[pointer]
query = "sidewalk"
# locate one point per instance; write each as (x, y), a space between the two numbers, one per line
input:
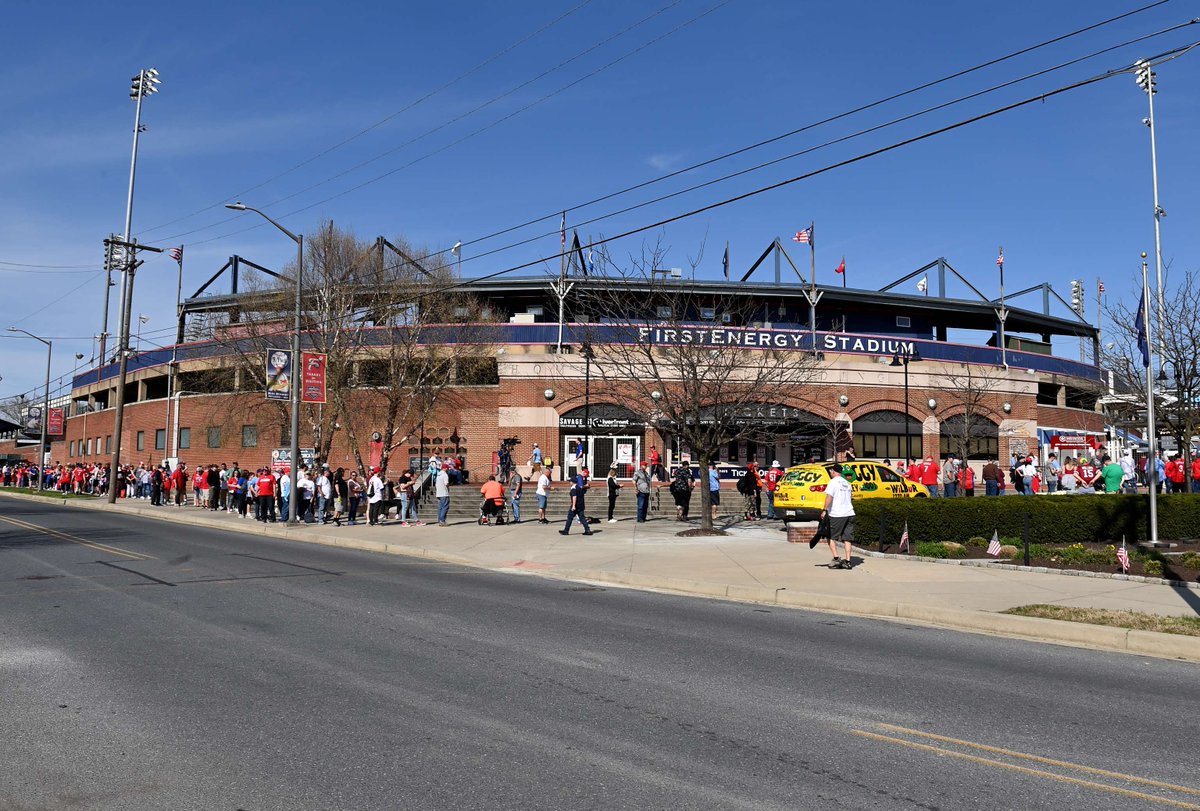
(754, 562)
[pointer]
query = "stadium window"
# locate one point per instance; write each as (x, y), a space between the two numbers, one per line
(89, 446)
(214, 437)
(185, 438)
(108, 444)
(160, 439)
(903, 321)
(249, 436)
(141, 441)
(71, 449)
(708, 313)
(664, 312)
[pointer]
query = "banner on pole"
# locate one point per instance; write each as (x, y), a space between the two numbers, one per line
(31, 420)
(54, 422)
(313, 377)
(281, 459)
(279, 374)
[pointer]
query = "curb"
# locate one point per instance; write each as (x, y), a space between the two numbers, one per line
(1037, 629)
(1006, 567)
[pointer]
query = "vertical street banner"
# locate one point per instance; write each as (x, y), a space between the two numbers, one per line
(54, 422)
(313, 377)
(31, 421)
(279, 375)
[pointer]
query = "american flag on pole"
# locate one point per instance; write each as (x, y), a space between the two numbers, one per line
(1100, 286)
(1123, 556)
(904, 538)
(177, 253)
(1000, 259)
(994, 547)
(562, 229)
(804, 237)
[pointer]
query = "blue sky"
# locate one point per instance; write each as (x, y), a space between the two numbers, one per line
(250, 90)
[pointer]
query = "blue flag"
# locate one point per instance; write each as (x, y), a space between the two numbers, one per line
(1140, 323)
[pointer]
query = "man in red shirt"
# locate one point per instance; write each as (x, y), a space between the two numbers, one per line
(1196, 475)
(179, 484)
(930, 475)
(1177, 476)
(772, 477)
(266, 496)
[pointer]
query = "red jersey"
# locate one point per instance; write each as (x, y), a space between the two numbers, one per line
(266, 484)
(1179, 474)
(1196, 469)
(929, 473)
(773, 476)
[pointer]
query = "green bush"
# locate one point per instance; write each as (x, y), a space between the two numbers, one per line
(978, 542)
(939, 550)
(1052, 519)
(1154, 568)
(1191, 560)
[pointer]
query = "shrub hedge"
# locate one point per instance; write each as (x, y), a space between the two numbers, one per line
(1052, 519)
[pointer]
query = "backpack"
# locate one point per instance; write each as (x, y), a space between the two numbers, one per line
(745, 485)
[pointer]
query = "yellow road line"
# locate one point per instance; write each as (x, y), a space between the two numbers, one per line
(1075, 781)
(111, 550)
(1145, 781)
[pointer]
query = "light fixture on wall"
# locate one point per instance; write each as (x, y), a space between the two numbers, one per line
(1007, 408)
(843, 401)
(549, 394)
(932, 403)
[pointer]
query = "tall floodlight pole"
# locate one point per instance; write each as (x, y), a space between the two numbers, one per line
(1151, 429)
(144, 84)
(1146, 80)
(293, 498)
(45, 404)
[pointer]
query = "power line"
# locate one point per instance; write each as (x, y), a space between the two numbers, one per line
(1039, 98)
(734, 153)
(74, 268)
(497, 55)
(830, 142)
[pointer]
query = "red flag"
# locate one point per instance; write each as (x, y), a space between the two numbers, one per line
(842, 267)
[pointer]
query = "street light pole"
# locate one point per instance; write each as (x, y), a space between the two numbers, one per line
(903, 359)
(588, 356)
(1151, 428)
(45, 405)
(293, 513)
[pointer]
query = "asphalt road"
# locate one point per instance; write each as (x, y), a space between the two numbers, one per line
(145, 665)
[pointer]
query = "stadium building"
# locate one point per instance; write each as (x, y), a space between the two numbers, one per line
(900, 374)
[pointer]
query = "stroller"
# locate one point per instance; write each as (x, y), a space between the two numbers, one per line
(492, 508)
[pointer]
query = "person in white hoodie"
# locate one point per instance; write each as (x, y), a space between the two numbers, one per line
(375, 493)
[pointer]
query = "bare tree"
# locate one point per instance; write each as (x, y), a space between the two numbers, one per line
(397, 332)
(697, 357)
(968, 393)
(1177, 383)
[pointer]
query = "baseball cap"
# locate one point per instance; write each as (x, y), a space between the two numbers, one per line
(374, 470)
(776, 464)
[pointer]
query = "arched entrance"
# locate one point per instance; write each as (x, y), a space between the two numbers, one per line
(887, 434)
(975, 437)
(772, 432)
(615, 435)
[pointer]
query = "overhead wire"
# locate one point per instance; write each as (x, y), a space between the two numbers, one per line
(725, 156)
(544, 261)
(430, 94)
(832, 141)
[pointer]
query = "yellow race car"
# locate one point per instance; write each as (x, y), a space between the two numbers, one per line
(800, 495)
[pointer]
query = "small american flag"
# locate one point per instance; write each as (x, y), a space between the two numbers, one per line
(904, 538)
(1000, 258)
(994, 546)
(177, 253)
(1123, 556)
(804, 236)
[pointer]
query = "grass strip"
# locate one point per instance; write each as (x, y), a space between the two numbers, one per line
(1134, 620)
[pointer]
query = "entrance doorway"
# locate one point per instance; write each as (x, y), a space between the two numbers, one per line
(624, 451)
